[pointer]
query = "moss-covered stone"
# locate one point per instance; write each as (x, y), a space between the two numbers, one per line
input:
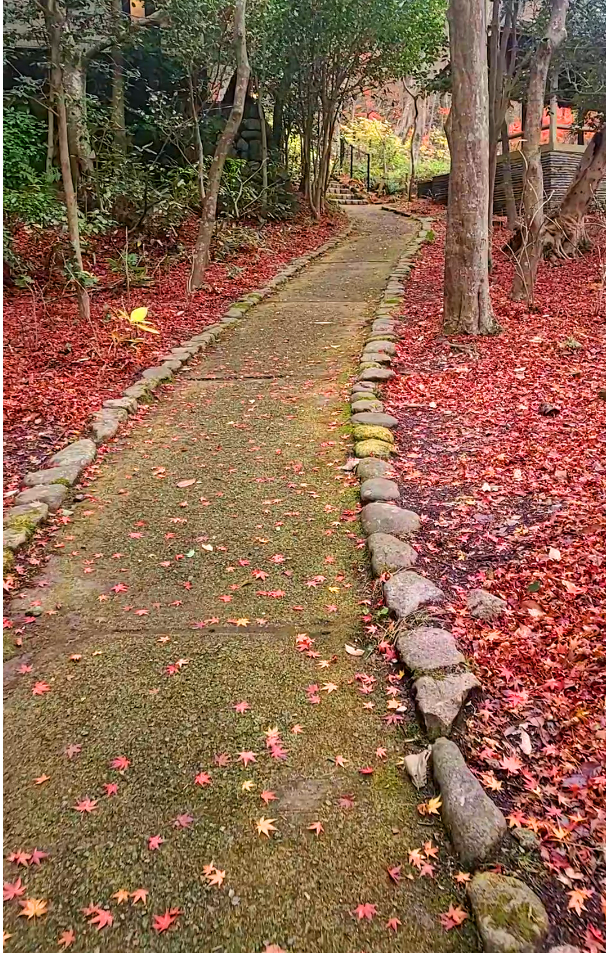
(8, 561)
(510, 917)
(366, 432)
(373, 448)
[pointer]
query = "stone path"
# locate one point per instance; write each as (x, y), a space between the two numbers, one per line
(218, 540)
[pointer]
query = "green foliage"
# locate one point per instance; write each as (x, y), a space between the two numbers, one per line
(240, 194)
(580, 62)
(29, 194)
(131, 267)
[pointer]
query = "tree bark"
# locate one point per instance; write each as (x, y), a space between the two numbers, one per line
(197, 137)
(264, 152)
(527, 259)
(118, 118)
(510, 201)
(414, 151)
(54, 29)
(467, 307)
(209, 210)
(566, 231)
(74, 86)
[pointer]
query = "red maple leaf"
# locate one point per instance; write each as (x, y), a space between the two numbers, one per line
(66, 939)
(120, 763)
(110, 789)
(20, 858)
(86, 806)
(511, 764)
(395, 873)
(202, 779)
(365, 911)
(40, 688)
(165, 920)
(453, 917)
(154, 842)
(12, 890)
(101, 918)
(37, 856)
(184, 821)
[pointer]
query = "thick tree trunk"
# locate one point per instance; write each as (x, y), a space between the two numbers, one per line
(566, 230)
(527, 259)
(209, 210)
(467, 307)
(510, 201)
(74, 84)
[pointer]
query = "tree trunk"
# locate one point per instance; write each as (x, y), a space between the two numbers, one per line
(510, 201)
(527, 259)
(413, 144)
(209, 210)
(565, 231)
(118, 119)
(54, 29)
(50, 128)
(197, 137)
(74, 85)
(467, 307)
(264, 153)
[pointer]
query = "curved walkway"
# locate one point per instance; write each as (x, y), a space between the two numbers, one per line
(195, 624)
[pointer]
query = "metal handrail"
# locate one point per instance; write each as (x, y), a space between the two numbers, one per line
(344, 146)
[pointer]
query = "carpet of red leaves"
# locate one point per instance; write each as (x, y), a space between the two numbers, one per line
(517, 503)
(58, 369)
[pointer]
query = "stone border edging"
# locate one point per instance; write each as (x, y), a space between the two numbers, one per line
(440, 673)
(441, 677)
(46, 489)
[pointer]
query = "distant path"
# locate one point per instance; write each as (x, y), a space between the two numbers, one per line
(257, 424)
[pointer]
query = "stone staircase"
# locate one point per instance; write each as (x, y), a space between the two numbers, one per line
(343, 194)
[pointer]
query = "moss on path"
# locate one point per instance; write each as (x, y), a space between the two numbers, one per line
(181, 602)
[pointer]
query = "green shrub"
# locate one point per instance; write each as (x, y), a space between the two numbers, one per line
(29, 193)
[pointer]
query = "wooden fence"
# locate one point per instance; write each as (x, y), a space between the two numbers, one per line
(559, 168)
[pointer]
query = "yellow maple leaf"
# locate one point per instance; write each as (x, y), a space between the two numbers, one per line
(33, 908)
(265, 825)
(120, 896)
